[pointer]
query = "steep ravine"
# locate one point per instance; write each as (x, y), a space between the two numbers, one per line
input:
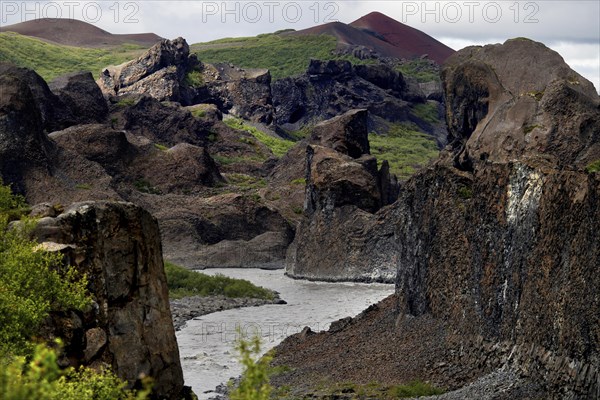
(496, 245)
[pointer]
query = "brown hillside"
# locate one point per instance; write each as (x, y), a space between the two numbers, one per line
(384, 35)
(78, 33)
(409, 41)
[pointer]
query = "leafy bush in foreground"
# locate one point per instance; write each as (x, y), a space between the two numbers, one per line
(42, 379)
(32, 281)
(254, 384)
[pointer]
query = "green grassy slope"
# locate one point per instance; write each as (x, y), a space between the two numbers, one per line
(51, 60)
(283, 55)
(406, 149)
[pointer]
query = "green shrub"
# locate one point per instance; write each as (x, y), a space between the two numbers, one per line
(255, 382)
(42, 379)
(414, 389)
(144, 186)
(593, 167)
(32, 282)
(465, 192)
(299, 181)
(244, 181)
(161, 147)
(184, 283)
(277, 146)
(194, 79)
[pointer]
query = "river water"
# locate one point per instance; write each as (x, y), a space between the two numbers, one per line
(206, 344)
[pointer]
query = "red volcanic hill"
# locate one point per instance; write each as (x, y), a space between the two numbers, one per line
(73, 32)
(384, 35)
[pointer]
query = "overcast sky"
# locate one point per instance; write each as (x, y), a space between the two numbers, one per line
(570, 27)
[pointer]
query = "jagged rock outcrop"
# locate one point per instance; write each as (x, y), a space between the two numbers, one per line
(497, 262)
(228, 230)
(160, 160)
(245, 93)
(532, 100)
(331, 88)
(164, 123)
(82, 96)
(344, 133)
(24, 146)
(343, 188)
(129, 327)
(168, 72)
(159, 72)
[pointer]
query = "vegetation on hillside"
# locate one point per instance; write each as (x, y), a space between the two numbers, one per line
(34, 283)
(184, 283)
(52, 60)
(404, 148)
(277, 145)
(41, 378)
(283, 55)
(420, 69)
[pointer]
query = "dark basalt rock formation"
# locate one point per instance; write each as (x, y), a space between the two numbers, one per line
(525, 94)
(343, 188)
(24, 148)
(331, 88)
(164, 72)
(129, 327)
(245, 93)
(164, 123)
(82, 96)
(344, 134)
(497, 259)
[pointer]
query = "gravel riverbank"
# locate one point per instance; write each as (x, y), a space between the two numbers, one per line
(189, 308)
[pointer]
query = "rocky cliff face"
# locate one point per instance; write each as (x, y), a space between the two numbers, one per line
(519, 100)
(155, 154)
(168, 72)
(343, 191)
(129, 327)
(330, 88)
(496, 245)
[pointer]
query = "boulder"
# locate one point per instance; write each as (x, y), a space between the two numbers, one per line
(245, 93)
(525, 94)
(129, 328)
(97, 143)
(164, 123)
(53, 112)
(24, 147)
(337, 68)
(82, 96)
(225, 230)
(184, 168)
(346, 134)
(159, 72)
(335, 180)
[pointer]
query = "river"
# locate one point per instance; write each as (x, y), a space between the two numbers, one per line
(206, 344)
